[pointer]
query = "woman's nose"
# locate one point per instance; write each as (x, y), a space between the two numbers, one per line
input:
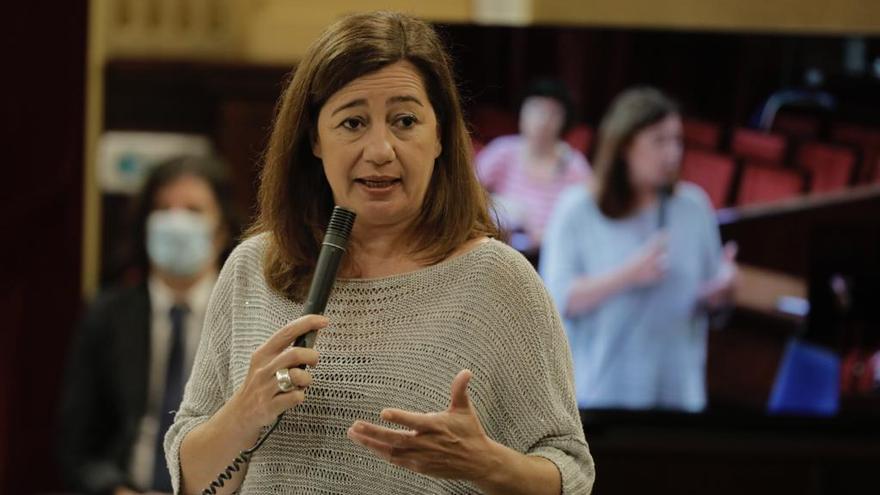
(379, 149)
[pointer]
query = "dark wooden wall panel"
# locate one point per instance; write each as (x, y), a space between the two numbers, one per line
(41, 201)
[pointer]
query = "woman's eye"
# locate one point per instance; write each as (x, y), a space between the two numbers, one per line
(407, 121)
(352, 124)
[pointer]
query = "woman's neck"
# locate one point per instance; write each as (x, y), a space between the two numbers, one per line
(541, 149)
(379, 252)
(645, 198)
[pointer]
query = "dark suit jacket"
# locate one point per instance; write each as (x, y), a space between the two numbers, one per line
(106, 386)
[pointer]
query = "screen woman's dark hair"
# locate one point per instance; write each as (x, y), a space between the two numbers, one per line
(213, 171)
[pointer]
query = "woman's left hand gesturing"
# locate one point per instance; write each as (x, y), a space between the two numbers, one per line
(449, 444)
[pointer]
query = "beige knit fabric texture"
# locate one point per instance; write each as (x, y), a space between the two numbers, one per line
(395, 342)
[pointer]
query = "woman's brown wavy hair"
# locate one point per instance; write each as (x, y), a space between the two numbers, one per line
(295, 199)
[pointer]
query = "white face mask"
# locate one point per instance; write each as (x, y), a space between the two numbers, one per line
(179, 241)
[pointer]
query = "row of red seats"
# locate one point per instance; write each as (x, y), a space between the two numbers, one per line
(760, 166)
(758, 183)
(814, 166)
(772, 147)
(769, 148)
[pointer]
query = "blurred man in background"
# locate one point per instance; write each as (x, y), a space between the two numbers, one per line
(135, 346)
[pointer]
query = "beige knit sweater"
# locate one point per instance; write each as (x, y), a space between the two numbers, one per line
(395, 342)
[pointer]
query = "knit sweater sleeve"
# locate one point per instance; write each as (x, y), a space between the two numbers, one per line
(209, 385)
(534, 377)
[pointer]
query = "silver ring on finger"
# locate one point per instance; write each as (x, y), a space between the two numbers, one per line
(285, 384)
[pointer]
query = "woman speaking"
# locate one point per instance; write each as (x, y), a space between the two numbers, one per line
(441, 365)
(634, 262)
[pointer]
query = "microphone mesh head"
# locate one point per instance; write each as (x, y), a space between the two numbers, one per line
(341, 222)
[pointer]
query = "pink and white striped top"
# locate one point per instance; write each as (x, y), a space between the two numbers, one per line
(525, 199)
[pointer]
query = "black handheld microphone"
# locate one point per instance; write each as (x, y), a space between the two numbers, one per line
(332, 248)
(663, 193)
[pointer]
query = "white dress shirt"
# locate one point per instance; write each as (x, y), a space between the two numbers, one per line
(161, 301)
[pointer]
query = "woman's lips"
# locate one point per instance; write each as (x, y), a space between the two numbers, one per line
(378, 185)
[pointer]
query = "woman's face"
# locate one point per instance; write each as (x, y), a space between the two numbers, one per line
(541, 119)
(655, 153)
(378, 139)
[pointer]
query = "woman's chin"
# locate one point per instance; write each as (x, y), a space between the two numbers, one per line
(383, 214)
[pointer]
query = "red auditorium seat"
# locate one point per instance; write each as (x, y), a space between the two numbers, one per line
(764, 184)
(491, 122)
(701, 134)
(711, 171)
(796, 125)
(580, 137)
(830, 167)
(759, 146)
(866, 139)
